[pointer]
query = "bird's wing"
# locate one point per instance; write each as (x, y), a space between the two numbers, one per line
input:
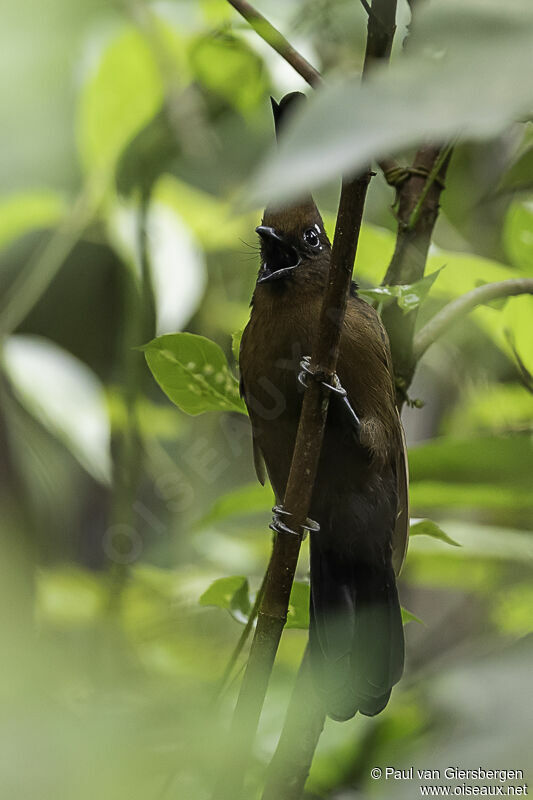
(259, 461)
(400, 536)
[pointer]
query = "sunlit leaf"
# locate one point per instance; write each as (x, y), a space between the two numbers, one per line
(426, 527)
(193, 373)
(426, 495)
(65, 396)
(492, 407)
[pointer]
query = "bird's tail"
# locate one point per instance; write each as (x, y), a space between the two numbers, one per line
(356, 632)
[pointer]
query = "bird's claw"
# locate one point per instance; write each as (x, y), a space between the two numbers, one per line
(335, 385)
(278, 526)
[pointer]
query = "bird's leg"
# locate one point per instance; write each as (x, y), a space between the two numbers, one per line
(278, 526)
(335, 386)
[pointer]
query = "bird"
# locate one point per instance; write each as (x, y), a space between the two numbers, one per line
(360, 494)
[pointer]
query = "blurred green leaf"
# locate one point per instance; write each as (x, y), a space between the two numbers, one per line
(518, 233)
(432, 494)
(465, 72)
(426, 527)
(492, 407)
(511, 609)
(520, 174)
(298, 611)
(119, 97)
(500, 460)
(65, 396)
(227, 66)
(193, 373)
(21, 213)
(250, 499)
(231, 593)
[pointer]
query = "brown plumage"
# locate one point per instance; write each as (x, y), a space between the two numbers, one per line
(360, 493)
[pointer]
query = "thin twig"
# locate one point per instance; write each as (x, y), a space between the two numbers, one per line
(432, 177)
(277, 41)
(458, 308)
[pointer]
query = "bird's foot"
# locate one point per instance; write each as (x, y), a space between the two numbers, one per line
(333, 384)
(278, 525)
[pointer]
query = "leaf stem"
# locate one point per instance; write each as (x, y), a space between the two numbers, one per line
(458, 308)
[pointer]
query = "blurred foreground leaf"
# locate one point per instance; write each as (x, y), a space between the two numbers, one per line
(193, 373)
(466, 71)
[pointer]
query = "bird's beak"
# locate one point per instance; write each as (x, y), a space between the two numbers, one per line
(279, 256)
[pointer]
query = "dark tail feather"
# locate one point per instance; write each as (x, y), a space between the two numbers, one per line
(356, 632)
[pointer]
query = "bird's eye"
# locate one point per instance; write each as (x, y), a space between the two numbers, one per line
(311, 237)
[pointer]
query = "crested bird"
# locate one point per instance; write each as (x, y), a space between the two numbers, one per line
(360, 494)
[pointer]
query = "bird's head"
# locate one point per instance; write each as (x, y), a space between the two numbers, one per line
(291, 239)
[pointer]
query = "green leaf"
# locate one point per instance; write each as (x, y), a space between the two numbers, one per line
(408, 616)
(466, 71)
(426, 527)
(231, 593)
(119, 97)
(298, 612)
(518, 234)
(21, 213)
(193, 373)
(491, 408)
(408, 296)
(250, 499)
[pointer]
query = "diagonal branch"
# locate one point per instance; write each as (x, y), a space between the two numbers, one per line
(277, 41)
(458, 308)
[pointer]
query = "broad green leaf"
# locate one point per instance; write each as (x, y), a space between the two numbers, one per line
(21, 213)
(518, 234)
(65, 396)
(120, 95)
(408, 616)
(466, 71)
(426, 527)
(193, 373)
(250, 499)
(408, 296)
(298, 611)
(229, 593)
